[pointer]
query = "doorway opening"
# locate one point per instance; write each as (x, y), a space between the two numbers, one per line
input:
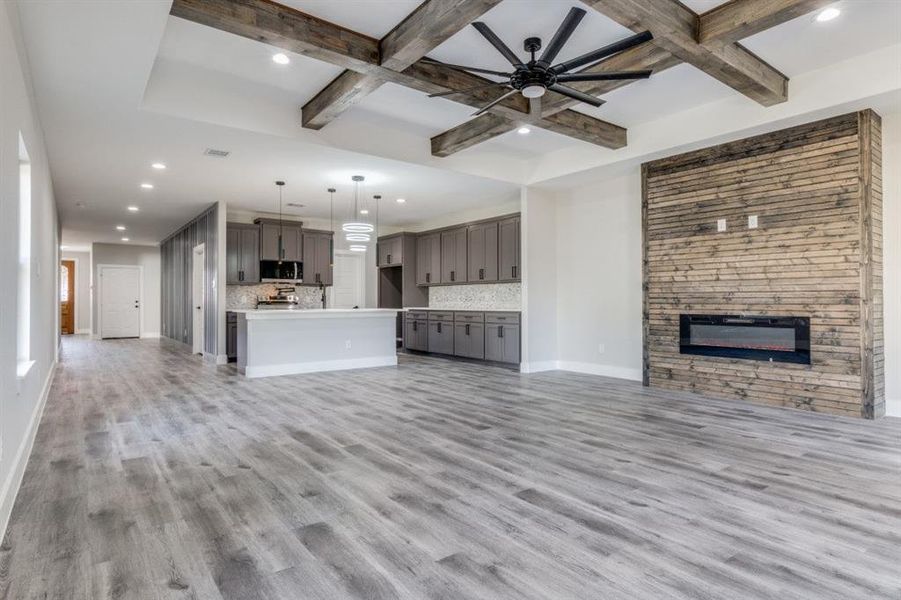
(120, 301)
(67, 297)
(198, 298)
(348, 285)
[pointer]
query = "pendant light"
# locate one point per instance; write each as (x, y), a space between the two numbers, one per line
(331, 220)
(375, 201)
(356, 227)
(281, 247)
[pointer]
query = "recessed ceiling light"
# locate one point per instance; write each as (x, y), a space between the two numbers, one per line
(401, 200)
(133, 209)
(827, 14)
(364, 211)
(147, 186)
(158, 166)
(523, 130)
(124, 239)
(280, 59)
(120, 227)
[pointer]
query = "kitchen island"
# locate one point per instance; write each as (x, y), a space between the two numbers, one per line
(289, 341)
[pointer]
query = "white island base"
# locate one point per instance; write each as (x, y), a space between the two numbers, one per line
(286, 342)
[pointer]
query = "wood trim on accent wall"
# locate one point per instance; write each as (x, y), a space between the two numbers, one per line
(817, 252)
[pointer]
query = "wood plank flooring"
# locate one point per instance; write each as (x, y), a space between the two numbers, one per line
(154, 476)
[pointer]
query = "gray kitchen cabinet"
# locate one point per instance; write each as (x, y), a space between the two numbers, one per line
(292, 245)
(428, 259)
(469, 339)
(317, 261)
(453, 256)
(391, 251)
(441, 333)
(242, 253)
(481, 253)
(509, 249)
(502, 335)
(231, 335)
(416, 333)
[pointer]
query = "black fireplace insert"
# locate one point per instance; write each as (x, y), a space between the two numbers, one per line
(773, 339)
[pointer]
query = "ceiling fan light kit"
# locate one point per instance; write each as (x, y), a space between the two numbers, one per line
(534, 78)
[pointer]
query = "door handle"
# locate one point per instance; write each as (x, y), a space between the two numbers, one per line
(198, 307)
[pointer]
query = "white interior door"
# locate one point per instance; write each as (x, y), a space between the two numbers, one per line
(198, 305)
(347, 284)
(120, 302)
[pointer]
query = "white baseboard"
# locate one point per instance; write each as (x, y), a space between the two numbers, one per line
(602, 370)
(10, 487)
(150, 334)
(82, 332)
(538, 366)
(893, 407)
(314, 367)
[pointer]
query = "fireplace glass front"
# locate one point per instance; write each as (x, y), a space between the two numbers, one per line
(773, 339)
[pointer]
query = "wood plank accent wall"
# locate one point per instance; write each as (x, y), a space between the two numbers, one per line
(817, 252)
(177, 264)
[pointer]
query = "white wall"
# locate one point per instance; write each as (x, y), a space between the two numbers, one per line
(82, 289)
(539, 281)
(599, 267)
(147, 257)
(22, 399)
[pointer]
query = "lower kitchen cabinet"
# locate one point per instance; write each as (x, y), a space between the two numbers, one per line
(502, 343)
(492, 336)
(469, 340)
(416, 333)
(441, 335)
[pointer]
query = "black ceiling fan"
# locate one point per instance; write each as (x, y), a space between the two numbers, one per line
(532, 79)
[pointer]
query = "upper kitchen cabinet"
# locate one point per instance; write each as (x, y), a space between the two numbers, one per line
(242, 253)
(391, 251)
(428, 259)
(453, 256)
(292, 240)
(509, 249)
(317, 257)
(482, 252)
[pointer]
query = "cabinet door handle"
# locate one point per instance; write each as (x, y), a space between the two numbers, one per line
(414, 326)
(240, 275)
(452, 275)
(467, 329)
(439, 326)
(481, 273)
(428, 278)
(500, 331)
(389, 259)
(514, 270)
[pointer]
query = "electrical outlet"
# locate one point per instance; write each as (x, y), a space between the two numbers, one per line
(601, 349)
(347, 344)
(752, 221)
(721, 225)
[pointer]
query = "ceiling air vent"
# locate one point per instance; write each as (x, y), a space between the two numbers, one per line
(295, 205)
(216, 153)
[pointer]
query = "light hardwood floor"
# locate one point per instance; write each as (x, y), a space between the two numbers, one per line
(154, 476)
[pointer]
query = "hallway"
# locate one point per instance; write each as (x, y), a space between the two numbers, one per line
(154, 476)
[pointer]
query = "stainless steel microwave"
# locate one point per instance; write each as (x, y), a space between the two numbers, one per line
(286, 271)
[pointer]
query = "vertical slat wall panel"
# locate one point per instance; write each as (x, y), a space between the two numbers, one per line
(177, 274)
(816, 190)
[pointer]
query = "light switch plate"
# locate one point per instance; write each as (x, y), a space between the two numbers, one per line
(721, 225)
(752, 221)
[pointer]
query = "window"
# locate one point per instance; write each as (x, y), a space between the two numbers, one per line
(63, 283)
(23, 318)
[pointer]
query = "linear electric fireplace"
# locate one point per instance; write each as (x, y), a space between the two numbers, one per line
(774, 339)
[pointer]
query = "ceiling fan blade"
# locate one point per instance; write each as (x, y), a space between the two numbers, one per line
(535, 108)
(566, 29)
(604, 76)
(472, 89)
(493, 102)
(462, 68)
(497, 43)
(576, 95)
(609, 50)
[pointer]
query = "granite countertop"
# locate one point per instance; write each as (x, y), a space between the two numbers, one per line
(462, 309)
(314, 313)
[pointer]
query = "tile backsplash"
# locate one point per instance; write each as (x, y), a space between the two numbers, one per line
(488, 296)
(245, 296)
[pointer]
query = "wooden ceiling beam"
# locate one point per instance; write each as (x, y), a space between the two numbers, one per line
(675, 29)
(739, 19)
(433, 22)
